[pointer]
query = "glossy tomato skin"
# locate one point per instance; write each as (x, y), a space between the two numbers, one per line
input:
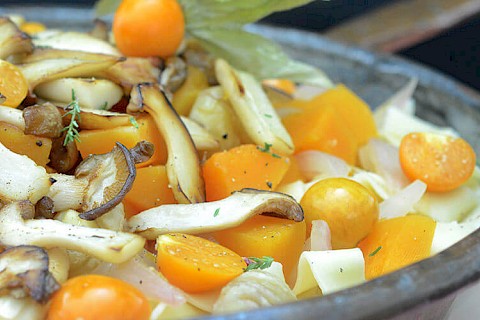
(145, 28)
(94, 297)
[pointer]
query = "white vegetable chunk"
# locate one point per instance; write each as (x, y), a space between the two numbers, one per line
(15, 184)
(21, 309)
(12, 116)
(110, 246)
(331, 270)
(403, 202)
(448, 233)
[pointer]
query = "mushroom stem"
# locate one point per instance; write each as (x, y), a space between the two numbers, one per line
(183, 166)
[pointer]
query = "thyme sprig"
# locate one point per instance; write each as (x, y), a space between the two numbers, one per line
(72, 128)
(258, 263)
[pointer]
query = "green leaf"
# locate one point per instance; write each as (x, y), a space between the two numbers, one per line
(259, 263)
(214, 13)
(257, 55)
(104, 7)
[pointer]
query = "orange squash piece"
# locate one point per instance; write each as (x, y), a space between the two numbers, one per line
(261, 236)
(103, 140)
(336, 121)
(245, 166)
(195, 264)
(396, 243)
(149, 190)
(36, 148)
(293, 173)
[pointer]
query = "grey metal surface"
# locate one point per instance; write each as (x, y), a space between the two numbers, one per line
(420, 291)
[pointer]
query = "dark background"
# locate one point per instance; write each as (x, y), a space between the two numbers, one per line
(455, 52)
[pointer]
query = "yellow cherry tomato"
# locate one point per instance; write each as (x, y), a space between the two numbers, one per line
(349, 208)
(13, 85)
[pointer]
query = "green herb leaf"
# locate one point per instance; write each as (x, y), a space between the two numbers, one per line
(217, 211)
(257, 55)
(268, 150)
(134, 122)
(72, 128)
(375, 251)
(258, 263)
(104, 7)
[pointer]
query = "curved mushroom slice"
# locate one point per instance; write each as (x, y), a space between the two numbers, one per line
(100, 30)
(183, 167)
(174, 74)
(106, 245)
(131, 72)
(202, 139)
(213, 216)
(12, 40)
(66, 192)
(45, 65)
(63, 158)
(110, 176)
(75, 41)
(91, 93)
(15, 184)
(252, 106)
(24, 272)
(99, 119)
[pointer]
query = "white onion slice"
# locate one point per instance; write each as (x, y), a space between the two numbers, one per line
(382, 158)
(320, 237)
(402, 203)
(316, 163)
(146, 278)
(307, 92)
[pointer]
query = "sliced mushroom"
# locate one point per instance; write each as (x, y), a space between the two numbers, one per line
(24, 272)
(202, 139)
(196, 56)
(131, 72)
(91, 93)
(106, 245)
(66, 192)
(110, 176)
(44, 208)
(21, 178)
(45, 65)
(99, 119)
(216, 215)
(174, 74)
(78, 41)
(12, 116)
(183, 167)
(12, 40)
(43, 120)
(63, 158)
(253, 108)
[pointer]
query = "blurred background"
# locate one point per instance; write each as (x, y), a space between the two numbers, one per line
(443, 34)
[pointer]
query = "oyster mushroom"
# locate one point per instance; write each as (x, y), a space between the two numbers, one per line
(63, 158)
(12, 40)
(98, 119)
(183, 167)
(216, 215)
(202, 139)
(15, 184)
(100, 30)
(106, 245)
(45, 65)
(253, 108)
(174, 74)
(24, 272)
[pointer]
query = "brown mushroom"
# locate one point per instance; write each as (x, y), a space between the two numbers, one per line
(63, 158)
(12, 40)
(174, 74)
(43, 120)
(183, 166)
(24, 272)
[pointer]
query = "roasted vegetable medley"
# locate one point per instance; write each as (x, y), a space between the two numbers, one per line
(153, 173)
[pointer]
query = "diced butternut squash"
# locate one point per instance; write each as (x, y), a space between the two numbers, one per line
(260, 236)
(102, 141)
(149, 190)
(396, 243)
(185, 96)
(336, 121)
(322, 129)
(36, 148)
(245, 166)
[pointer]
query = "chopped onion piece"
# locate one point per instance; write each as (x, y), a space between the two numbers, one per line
(320, 237)
(316, 163)
(143, 277)
(307, 92)
(448, 233)
(401, 100)
(403, 202)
